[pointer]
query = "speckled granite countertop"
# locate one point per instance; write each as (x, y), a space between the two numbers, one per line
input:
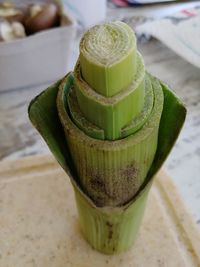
(18, 138)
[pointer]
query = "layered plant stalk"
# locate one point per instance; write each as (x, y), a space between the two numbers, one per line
(110, 114)
(119, 123)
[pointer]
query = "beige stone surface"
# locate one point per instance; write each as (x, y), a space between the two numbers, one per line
(39, 223)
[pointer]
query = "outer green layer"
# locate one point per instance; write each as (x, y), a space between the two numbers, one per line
(111, 113)
(108, 51)
(44, 116)
(111, 172)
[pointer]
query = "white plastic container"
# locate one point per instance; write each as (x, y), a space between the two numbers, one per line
(39, 58)
(87, 12)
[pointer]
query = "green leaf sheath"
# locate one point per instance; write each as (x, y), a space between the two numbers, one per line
(126, 219)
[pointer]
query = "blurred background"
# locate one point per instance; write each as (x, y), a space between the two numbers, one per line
(35, 52)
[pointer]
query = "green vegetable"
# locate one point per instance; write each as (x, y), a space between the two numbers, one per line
(110, 125)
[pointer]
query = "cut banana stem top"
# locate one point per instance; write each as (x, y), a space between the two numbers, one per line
(107, 51)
